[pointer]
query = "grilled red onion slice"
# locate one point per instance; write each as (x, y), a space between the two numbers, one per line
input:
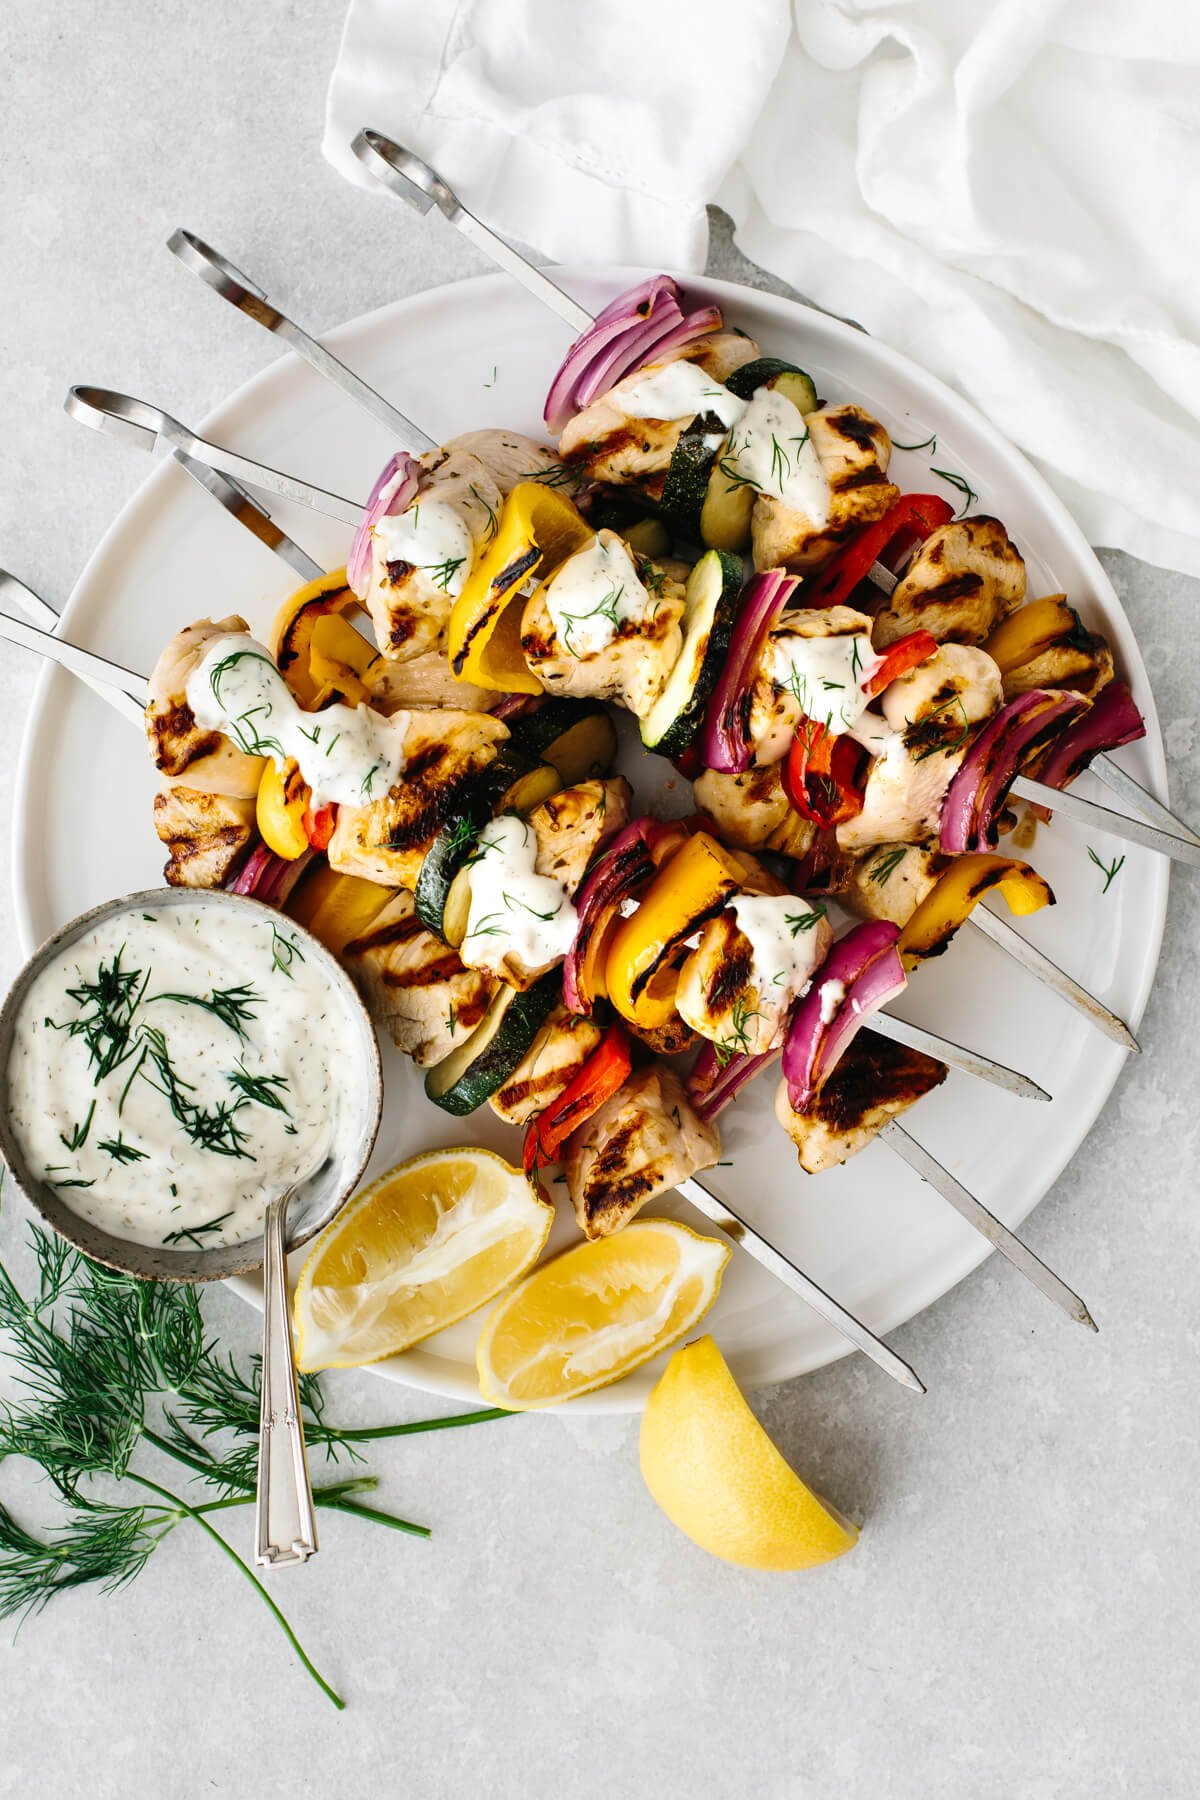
(394, 492)
(981, 783)
(267, 877)
(622, 868)
(1112, 720)
(647, 321)
(726, 738)
(861, 973)
(711, 1086)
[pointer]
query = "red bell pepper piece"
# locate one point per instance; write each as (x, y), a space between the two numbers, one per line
(910, 521)
(318, 825)
(899, 658)
(822, 775)
(602, 1074)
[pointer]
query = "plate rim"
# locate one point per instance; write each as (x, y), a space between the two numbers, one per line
(418, 1370)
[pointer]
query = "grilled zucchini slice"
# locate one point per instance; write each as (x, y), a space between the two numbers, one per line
(484, 1061)
(769, 371)
(576, 737)
(710, 608)
(510, 783)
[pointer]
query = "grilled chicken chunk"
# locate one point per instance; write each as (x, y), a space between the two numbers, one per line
(414, 986)
(905, 792)
(571, 825)
(891, 882)
(740, 1007)
(551, 1063)
(605, 444)
(409, 605)
(387, 841)
(182, 750)
(636, 1146)
(510, 458)
(207, 835)
(775, 712)
(854, 450)
(935, 702)
(752, 811)
(874, 1081)
(632, 668)
(963, 580)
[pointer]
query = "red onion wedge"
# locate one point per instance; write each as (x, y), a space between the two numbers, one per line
(624, 867)
(267, 877)
(981, 783)
(646, 322)
(394, 492)
(861, 973)
(726, 736)
(712, 1085)
(1112, 720)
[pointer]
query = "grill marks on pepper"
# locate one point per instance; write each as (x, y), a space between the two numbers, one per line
(499, 596)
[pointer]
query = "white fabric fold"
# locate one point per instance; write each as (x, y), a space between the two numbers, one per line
(1004, 189)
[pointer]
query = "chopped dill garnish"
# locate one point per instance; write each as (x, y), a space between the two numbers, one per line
(195, 1234)
(443, 573)
(514, 903)
(120, 1151)
(262, 1090)
(79, 1133)
(605, 607)
(493, 522)
(368, 780)
(451, 1020)
(737, 1042)
(929, 443)
(960, 483)
(799, 922)
(1109, 871)
(284, 952)
(106, 1024)
(233, 1006)
(882, 868)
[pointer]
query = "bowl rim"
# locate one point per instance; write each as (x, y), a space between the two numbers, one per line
(145, 1261)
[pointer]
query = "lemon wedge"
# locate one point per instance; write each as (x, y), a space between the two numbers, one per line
(716, 1474)
(591, 1315)
(421, 1247)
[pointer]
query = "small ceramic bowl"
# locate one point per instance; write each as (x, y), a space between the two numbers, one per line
(316, 1200)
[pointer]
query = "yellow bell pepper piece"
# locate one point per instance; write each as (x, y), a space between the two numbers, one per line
(342, 661)
(282, 799)
(336, 908)
(641, 972)
(956, 894)
(538, 530)
(292, 633)
(1031, 631)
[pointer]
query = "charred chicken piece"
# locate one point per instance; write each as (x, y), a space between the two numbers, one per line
(753, 812)
(183, 750)
(551, 1063)
(963, 580)
(415, 987)
(874, 1082)
(854, 450)
(208, 835)
(635, 1147)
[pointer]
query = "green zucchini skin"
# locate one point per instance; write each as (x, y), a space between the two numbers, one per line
(769, 371)
(713, 595)
(456, 840)
(462, 1081)
(686, 481)
(575, 736)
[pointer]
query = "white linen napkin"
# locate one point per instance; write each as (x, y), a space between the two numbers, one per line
(1008, 190)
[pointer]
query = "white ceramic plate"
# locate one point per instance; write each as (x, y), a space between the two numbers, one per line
(482, 352)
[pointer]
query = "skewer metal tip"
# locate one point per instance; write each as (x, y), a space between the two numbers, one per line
(211, 266)
(408, 177)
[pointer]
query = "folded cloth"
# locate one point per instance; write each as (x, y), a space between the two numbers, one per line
(1005, 189)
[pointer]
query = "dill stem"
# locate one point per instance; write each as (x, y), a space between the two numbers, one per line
(178, 1501)
(332, 1504)
(364, 1433)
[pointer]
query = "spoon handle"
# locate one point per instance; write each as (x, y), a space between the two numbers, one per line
(287, 1526)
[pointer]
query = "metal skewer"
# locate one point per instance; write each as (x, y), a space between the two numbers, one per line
(721, 1214)
(915, 1037)
(1102, 818)
(124, 690)
(976, 1214)
(1045, 970)
(228, 281)
(148, 427)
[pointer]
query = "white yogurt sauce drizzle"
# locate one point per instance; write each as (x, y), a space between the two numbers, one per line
(823, 675)
(515, 915)
(594, 593)
(348, 754)
(173, 1070)
(679, 390)
(431, 536)
(770, 450)
(786, 942)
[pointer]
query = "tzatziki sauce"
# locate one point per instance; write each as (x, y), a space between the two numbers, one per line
(770, 450)
(678, 390)
(174, 1069)
(431, 536)
(348, 754)
(594, 593)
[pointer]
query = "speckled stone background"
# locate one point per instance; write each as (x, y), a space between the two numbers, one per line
(1020, 1619)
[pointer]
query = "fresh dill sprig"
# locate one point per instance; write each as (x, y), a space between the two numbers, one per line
(1109, 871)
(443, 573)
(514, 903)
(929, 443)
(196, 1234)
(259, 1090)
(108, 1368)
(800, 922)
(105, 1024)
(605, 608)
(79, 1133)
(960, 483)
(284, 952)
(234, 1006)
(737, 1040)
(882, 868)
(489, 509)
(120, 1151)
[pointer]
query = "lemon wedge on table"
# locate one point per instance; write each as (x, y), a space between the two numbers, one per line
(716, 1474)
(422, 1247)
(589, 1316)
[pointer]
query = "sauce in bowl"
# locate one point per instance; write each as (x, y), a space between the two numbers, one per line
(173, 1067)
